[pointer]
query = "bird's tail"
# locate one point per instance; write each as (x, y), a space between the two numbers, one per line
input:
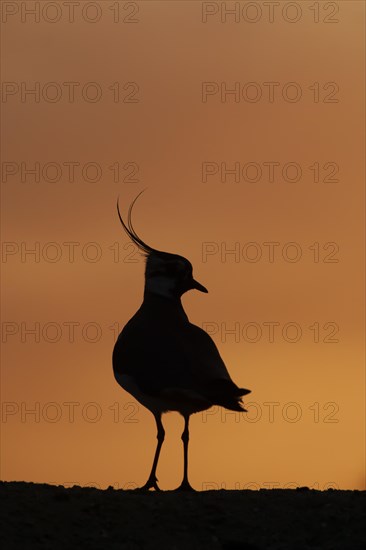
(232, 404)
(230, 396)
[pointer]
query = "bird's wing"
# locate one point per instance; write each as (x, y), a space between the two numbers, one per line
(202, 353)
(207, 365)
(165, 356)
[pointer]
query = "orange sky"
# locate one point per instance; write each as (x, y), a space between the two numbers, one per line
(174, 131)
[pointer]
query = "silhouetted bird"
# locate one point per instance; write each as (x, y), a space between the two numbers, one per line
(163, 360)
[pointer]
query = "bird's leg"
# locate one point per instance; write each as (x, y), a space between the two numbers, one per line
(185, 485)
(152, 481)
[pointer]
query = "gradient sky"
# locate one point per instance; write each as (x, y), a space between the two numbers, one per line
(289, 326)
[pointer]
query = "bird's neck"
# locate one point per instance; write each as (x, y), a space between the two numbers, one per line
(155, 300)
(161, 286)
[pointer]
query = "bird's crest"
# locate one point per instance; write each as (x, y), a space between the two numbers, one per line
(142, 246)
(154, 255)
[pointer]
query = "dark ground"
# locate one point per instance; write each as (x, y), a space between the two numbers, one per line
(49, 517)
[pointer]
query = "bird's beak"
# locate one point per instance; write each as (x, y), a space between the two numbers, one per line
(198, 286)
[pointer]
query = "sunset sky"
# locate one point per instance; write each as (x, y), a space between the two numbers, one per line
(244, 122)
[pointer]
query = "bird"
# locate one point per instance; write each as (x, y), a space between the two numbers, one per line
(165, 362)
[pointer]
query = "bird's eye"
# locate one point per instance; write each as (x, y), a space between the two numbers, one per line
(176, 269)
(173, 268)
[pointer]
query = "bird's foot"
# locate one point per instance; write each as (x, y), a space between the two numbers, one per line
(150, 484)
(185, 486)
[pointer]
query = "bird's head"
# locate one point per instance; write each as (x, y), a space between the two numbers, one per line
(166, 274)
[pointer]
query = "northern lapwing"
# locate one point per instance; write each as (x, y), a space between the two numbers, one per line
(163, 360)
